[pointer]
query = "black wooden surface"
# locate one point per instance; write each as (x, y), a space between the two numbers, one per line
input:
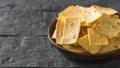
(23, 33)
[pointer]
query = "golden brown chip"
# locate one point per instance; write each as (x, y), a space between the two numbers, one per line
(92, 29)
(93, 49)
(108, 26)
(95, 38)
(67, 11)
(71, 30)
(114, 45)
(90, 15)
(72, 12)
(59, 30)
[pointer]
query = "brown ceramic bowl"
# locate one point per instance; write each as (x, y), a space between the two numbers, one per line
(78, 56)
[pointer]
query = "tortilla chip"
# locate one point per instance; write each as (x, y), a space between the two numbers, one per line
(59, 30)
(90, 15)
(114, 45)
(108, 26)
(71, 31)
(93, 49)
(66, 11)
(102, 10)
(95, 38)
(72, 12)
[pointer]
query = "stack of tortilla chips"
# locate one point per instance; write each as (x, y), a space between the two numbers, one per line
(93, 29)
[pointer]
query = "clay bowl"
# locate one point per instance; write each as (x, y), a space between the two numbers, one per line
(81, 57)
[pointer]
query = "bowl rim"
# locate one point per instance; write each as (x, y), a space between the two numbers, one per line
(58, 46)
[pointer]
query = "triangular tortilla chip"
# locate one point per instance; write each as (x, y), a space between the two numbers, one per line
(54, 35)
(55, 31)
(93, 49)
(108, 26)
(102, 10)
(95, 38)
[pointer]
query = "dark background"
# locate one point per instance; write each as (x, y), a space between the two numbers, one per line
(23, 33)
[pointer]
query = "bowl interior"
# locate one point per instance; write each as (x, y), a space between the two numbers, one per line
(50, 33)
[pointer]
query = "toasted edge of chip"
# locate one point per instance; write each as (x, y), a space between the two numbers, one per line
(76, 49)
(116, 16)
(55, 31)
(76, 44)
(66, 10)
(54, 34)
(106, 10)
